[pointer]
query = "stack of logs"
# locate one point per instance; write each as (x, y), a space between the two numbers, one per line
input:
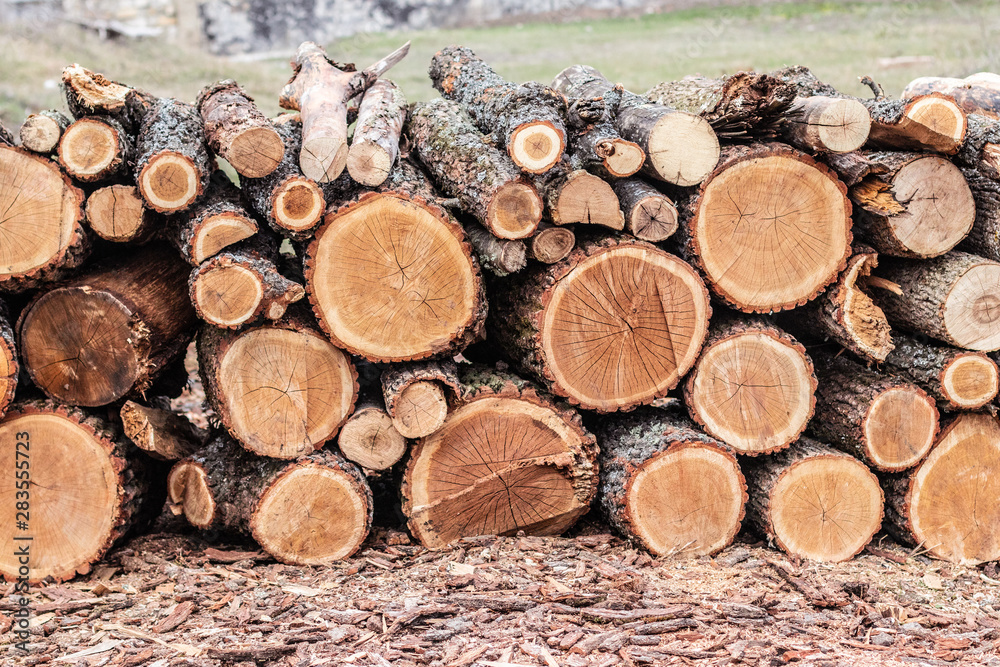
(752, 297)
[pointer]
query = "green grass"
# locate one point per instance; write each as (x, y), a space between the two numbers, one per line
(839, 41)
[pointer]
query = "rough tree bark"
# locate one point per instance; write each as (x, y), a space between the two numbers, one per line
(237, 130)
(10, 366)
(594, 143)
(172, 164)
(501, 257)
(416, 395)
(375, 144)
(649, 214)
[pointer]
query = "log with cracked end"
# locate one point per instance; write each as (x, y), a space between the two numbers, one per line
(539, 475)
(89, 93)
(117, 213)
(551, 243)
(814, 502)
(108, 332)
(217, 221)
(823, 124)
(311, 511)
(375, 144)
(932, 122)
(95, 148)
(650, 215)
(165, 434)
(172, 166)
(680, 147)
(463, 165)
(40, 132)
(977, 93)
(237, 130)
(416, 395)
(320, 91)
(950, 505)
(369, 437)
(675, 490)
(577, 196)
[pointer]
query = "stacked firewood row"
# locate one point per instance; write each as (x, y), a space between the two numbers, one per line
(752, 299)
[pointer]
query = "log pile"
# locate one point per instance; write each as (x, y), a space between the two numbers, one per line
(742, 298)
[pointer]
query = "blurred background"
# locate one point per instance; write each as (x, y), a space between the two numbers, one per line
(174, 47)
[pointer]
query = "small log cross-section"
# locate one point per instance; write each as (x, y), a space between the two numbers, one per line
(369, 437)
(118, 213)
(595, 143)
(320, 90)
(172, 163)
(505, 460)
(577, 196)
(814, 502)
(822, 124)
(950, 505)
(216, 221)
(311, 511)
(94, 149)
(884, 420)
(931, 122)
(954, 298)
(753, 386)
(976, 94)
(109, 332)
(958, 379)
(88, 488)
(770, 228)
(166, 435)
(391, 278)
(42, 235)
(527, 119)
(40, 132)
(375, 145)
(649, 214)
(463, 165)
(237, 130)
(415, 395)
(281, 389)
(669, 486)
(550, 244)
(614, 325)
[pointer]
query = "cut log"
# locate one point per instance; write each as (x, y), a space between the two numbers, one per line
(649, 214)
(984, 237)
(40, 132)
(614, 325)
(290, 202)
(908, 204)
(977, 93)
(172, 165)
(954, 298)
(753, 386)
(166, 435)
(950, 506)
(375, 145)
(814, 502)
(91, 94)
(981, 149)
(240, 285)
(884, 420)
(595, 144)
(501, 257)
(117, 213)
(237, 130)
(505, 460)
(957, 379)
(768, 205)
(391, 278)
(577, 196)
(94, 149)
(681, 148)
(43, 238)
(821, 124)
(463, 165)
(369, 437)
(281, 389)
(10, 366)
(931, 122)
(108, 333)
(526, 119)
(668, 486)
(82, 485)
(320, 90)
(416, 395)
(217, 221)
(312, 511)
(549, 245)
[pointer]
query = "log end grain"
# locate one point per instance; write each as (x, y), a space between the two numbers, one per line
(828, 124)
(117, 213)
(41, 132)
(297, 204)
(552, 244)
(970, 381)
(515, 211)
(682, 148)
(323, 158)
(536, 147)
(370, 439)
(170, 181)
(971, 312)
(90, 149)
(420, 409)
(931, 122)
(368, 163)
(220, 231)
(899, 428)
(621, 158)
(256, 151)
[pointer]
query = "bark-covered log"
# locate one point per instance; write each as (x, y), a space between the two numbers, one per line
(375, 144)
(977, 93)
(984, 237)
(290, 202)
(10, 365)
(884, 420)
(506, 460)
(216, 221)
(614, 325)
(95, 148)
(770, 228)
(813, 501)
(40, 132)
(501, 257)
(577, 196)
(753, 386)
(109, 332)
(281, 389)
(42, 214)
(83, 485)
(526, 119)
(237, 130)
(117, 213)
(550, 244)
(6, 138)
(320, 90)
(369, 437)
(595, 144)
(172, 165)
(681, 148)
(649, 214)
(954, 298)
(311, 511)
(668, 486)
(981, 148)
(932, 122)
(91, 94)
(165, 434)
(416, 395)
(463, 165)
(822, 124)
(957, 379)
(950, 505)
